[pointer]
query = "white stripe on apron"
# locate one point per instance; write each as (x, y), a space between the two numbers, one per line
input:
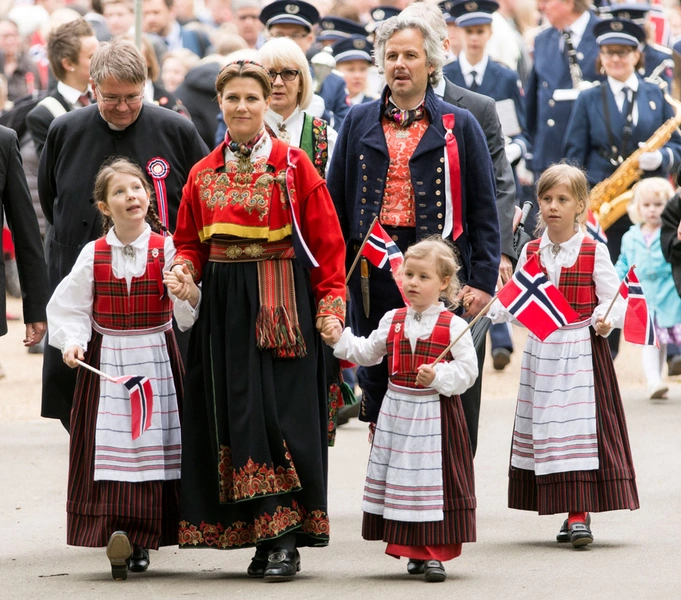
(156, 454)
(404, 476)
(555, 424)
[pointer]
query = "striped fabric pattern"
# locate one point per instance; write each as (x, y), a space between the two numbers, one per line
(613, 485)
(555, 423)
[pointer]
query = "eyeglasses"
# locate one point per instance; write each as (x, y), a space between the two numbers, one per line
(618, 53)
(286, 74)
(130, 100)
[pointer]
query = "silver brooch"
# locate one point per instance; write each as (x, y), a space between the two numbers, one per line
(555, 249)
(417, 316)
(129, 252)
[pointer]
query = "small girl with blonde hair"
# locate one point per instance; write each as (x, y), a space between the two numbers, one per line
(570, 451)
(419, 494)
(641, 247)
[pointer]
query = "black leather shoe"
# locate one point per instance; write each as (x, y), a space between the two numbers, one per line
(258, 564)
(139, 561)
(282, 565)
(118, 551)
(564, 534)
(416, 567)
(580, 535)
(434, 571)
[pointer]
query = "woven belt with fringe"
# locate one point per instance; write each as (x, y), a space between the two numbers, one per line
(276, 327)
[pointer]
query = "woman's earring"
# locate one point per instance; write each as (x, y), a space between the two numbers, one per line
(602, 71)
(72, 69)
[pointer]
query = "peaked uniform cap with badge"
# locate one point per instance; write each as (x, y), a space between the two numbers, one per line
(444, 7)
(335, 29)
(631, 12)
(380, 14)
(468, 13)
(289, 12)
(356, 47)
(619, 31)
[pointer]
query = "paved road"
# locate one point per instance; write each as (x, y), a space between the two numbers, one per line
(635, 555)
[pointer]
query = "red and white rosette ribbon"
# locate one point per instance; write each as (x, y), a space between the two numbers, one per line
(158, 169)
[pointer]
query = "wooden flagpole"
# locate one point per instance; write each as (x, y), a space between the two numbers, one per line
(617, 295)
(473, 322)
(97, 371)
(359, 252)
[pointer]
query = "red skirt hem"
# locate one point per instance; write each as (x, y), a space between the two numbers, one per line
(441, 552)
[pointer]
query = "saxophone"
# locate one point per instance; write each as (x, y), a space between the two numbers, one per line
(608, 199)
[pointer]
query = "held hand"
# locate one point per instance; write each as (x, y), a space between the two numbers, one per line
(71, 354)
(474, 300)
(425, 376)
(331, 331)
(603, 327)
(34, 333)
(181, 284)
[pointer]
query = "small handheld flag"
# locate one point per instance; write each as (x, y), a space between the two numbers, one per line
(532, 299)
(638, 324)
(141, 398)
(594, 229)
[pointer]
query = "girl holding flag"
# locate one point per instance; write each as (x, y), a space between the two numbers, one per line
(570, 451)
(641, 247)
(419, 494)
(112, 312)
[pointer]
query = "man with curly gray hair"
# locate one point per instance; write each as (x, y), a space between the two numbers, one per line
(418, 166)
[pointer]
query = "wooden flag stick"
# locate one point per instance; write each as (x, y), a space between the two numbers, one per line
(91, 368)
(473, 322)
(617, 295)
(359, 252)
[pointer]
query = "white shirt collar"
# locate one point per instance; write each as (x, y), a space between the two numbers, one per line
(357, 99)
(274, 120)
(439, 89)
(433, 310)
(71, 95)
(139, 244)
(467, 67)
(263, 149)
(174, 37)
(616, 86)
(578, 28)
(413, 107)
(568, 250)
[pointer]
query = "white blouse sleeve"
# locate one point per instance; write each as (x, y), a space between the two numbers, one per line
(70, 309)
(497, 312)
(607, 287)
(365, 351)
(184, 313)
(456, 376)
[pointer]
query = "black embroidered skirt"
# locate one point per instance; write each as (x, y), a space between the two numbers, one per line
(610, 487)
(254, 439)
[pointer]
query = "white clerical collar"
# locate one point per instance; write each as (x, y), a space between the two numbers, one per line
(467, 68)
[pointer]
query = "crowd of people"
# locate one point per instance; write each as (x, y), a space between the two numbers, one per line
(198, 208)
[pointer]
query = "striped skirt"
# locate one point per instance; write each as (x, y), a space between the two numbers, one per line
(610, 487)
(458, 525)
(148, 511)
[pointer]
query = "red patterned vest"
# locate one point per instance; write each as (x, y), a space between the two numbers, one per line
(402, 364)
(577, 282)
(146, 306)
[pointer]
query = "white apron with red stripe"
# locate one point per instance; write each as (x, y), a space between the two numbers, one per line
(404, 477)
(555, 424)
(156, 454)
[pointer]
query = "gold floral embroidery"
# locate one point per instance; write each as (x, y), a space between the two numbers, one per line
(332, 305)
(254, 250)
(265, 526)
(254, 479)
(219, 190)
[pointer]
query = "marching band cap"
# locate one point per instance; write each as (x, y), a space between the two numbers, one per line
(467, 13)
(289, 12)
(356, 47)
(338, 28)
(444, 7)
(382, 13)
(619, 31)
(633, 12)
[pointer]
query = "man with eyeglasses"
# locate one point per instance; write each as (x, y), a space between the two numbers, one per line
(165, 144)
(294, 19)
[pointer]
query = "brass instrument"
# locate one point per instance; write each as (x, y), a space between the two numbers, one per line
(608, 199)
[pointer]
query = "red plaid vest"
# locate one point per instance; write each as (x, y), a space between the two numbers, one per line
(146, 306)
(577, 282)
(402, 364)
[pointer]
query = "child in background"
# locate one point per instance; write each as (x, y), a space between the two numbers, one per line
(641, 247)
(112, 312)
(570, 451)
(419, 494)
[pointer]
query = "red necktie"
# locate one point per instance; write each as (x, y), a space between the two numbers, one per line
(454, 174)
(84, 99)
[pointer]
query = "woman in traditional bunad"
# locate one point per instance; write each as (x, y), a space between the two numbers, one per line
(570, 451)
(419, 494)
(257, 227)
(292, 92)
(112, 312)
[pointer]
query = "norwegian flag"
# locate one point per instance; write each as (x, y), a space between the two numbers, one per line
(594, 229)
(141, 401)
(382, 252)
(532, 299)
(638, 324)
(660, 23)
